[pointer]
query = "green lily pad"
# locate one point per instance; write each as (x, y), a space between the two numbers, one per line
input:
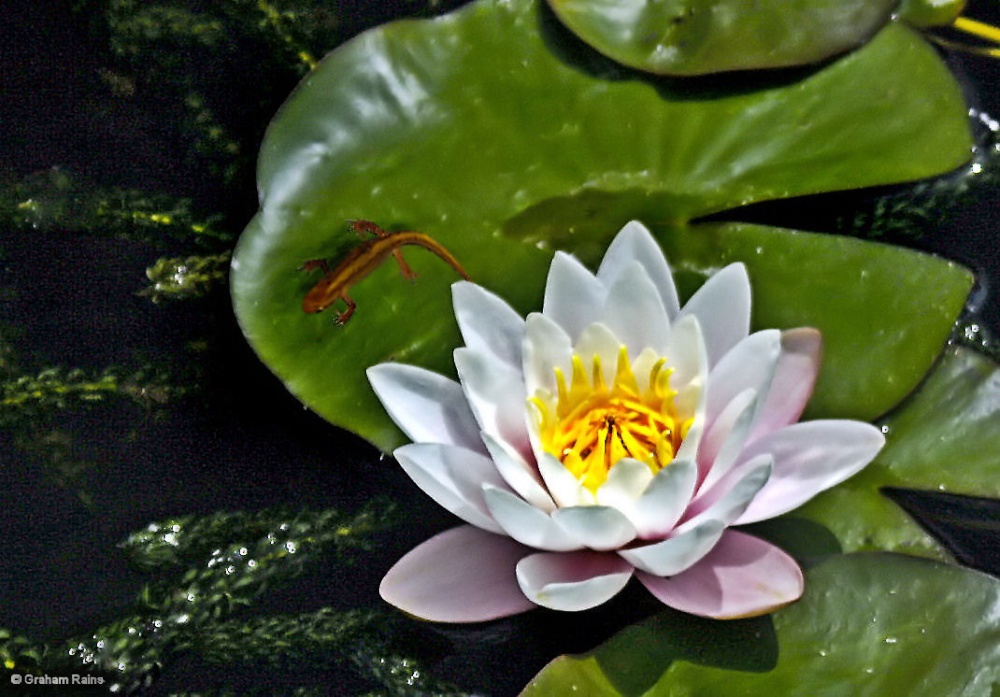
(884, 312)
(696, 37)
(929, 13)
(876, 624)
(945, 438)
(481, 129)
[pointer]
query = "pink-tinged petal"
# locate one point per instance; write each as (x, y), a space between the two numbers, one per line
(600, 528)
(678, 552)
(730, 497)
(495, 393)
(809, 457)
(626, 482)
(750, 365)
(725, 438)
(488, 324)
(635, 243)
(793, 382)
(527, 524)
(743, 576)
(634, 311)
(462, 575)
(663, 502)
(546, 347)
(454, 478)
(566, 489)
(722, 306)
(427, 407)
(572, 581)
(521, 476)
(572, 294)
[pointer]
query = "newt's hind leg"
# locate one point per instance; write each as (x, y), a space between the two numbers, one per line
(404, 268)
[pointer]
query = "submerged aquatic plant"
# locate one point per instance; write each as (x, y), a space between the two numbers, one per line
(57, 199)
(27, 396)
(613, 434)
(182, 278)
(210, 573)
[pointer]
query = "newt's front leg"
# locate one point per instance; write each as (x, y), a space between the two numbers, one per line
(341, 319)
(368, 226)
(313, 264)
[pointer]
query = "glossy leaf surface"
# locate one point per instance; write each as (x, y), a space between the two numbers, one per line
(883, 321)
(929, 13)
(484, 129)
(696, 37)
(867, 625)
(946, 438)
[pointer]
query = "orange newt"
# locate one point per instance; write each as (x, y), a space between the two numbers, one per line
(364, 259)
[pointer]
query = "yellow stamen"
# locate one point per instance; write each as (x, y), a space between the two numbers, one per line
(590, 425)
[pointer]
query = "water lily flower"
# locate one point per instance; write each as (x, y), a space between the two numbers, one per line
(614, 434)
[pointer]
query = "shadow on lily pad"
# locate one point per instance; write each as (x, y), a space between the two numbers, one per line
(743, 645)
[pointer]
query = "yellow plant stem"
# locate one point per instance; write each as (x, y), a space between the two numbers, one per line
(980, 30)
(977, 29)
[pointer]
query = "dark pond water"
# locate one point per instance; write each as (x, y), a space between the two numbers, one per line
(196, 424)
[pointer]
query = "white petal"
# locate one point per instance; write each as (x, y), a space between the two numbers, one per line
(635, 243)
(626, 482)
(692, 442)
(598, 340)
(495, 392)
(728, 499)
(566, 490)
(525, 523)
(634, 311)
(600, 528)
(793, 382)
(687, 356)
(488, 324)
(643, 364)
(428, 407)
(678, 552)
(453, 477)
(726, 437)
(663, 503)
(722, 306)
(748, 365)
(573, 295)
(521, 476)
(546, 347)
(809, 457)
(572, 581)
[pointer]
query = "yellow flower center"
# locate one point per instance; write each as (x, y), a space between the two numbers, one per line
(590, 426)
